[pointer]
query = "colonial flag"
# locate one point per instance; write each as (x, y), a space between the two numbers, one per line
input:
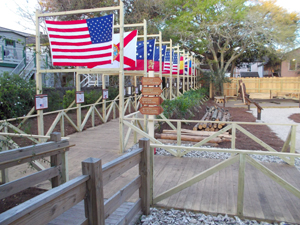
(181, 65)
(140, 56)
(175, 63)
(156, 57)
(130, 39)
(81, 42)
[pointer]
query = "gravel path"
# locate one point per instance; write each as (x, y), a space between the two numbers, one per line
(280, 116)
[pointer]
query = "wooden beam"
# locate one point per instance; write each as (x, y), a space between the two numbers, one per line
(196, 178)
(18, 185)
(36, 210)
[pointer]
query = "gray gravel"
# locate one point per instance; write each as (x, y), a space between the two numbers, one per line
(163, 216)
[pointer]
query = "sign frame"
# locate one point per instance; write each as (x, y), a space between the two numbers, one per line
(79, 97)
(104, 94)
(43, 104)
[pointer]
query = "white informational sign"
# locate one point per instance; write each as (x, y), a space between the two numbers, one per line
(41, 102)
(136, 90)
(167, 85)
(105, 93)
(174, 84)
(79, 97)
(141, 87)
(129, 90)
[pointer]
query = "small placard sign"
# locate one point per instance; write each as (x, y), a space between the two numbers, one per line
(79, 97)
(105, 93)
(136, 90)
(41, 102)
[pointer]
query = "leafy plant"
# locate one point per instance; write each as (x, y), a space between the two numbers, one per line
(16, 95)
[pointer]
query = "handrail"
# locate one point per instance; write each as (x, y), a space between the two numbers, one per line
(28, 67)
(19, 67)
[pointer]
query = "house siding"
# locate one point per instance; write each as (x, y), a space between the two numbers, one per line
(285, 72)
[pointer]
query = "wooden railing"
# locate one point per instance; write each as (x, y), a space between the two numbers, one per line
(131, 104)
(241, 156)
(132, 119)
(89, 187)
(57, 173)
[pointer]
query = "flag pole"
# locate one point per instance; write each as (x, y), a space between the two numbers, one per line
(178, 68)
(145, 65)
(171, 69)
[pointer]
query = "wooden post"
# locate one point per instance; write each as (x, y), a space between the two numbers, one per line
(4, 172)
(241, 185)
(94, 201)
(62, 124)
(114, 109)
(171, 68)
(151, 117)
(233, 135)
(78, 110)
(144, 172)
(93, 115)
(211, 90)
(121, 79)
(224, 101)
(103, 100)
(178, 69)
(56, 160)
(258, 113)
(38, 76)
(178, 135)
(151, 174)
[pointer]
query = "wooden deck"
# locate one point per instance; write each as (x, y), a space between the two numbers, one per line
(264, 199)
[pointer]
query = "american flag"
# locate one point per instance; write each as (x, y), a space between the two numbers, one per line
(81, 42)
(167, 62)
(175, 63)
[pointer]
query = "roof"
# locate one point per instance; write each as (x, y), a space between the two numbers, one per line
(249, 74)
(3, 29)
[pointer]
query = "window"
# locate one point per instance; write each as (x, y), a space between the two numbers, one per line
(9, 42)
(292, 64)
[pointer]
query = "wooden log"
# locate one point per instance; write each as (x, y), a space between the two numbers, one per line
(201, 125)
(196, 133)
(186, 138)
(214, 114)
(220, 115)
(196, 126)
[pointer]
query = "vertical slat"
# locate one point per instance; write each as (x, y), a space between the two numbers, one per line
(56, 160)
(62, 124)
(151, 175)
(241, 186)
(3, 144)
(114, 110)
(94, 201)
(78, 110)
(144, 172)
(293, 143)
(233, 135)
(103, 100)
(93, 115)
(178, 135)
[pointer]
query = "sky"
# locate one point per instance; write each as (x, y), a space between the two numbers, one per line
(9, 17)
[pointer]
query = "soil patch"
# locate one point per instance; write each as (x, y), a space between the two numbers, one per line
(18, 198)
(295, 117)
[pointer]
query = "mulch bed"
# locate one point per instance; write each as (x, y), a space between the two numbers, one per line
(263, 132)
(295, 117)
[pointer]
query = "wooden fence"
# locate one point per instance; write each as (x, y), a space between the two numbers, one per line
(264, 85)
(241, 156)
(89, 186)
(132, 120)
(57, 173)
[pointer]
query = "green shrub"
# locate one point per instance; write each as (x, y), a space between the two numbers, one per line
(69, 97)
(16, 95)
(180, 106)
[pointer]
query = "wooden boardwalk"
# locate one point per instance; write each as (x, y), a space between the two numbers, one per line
(264, 199)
